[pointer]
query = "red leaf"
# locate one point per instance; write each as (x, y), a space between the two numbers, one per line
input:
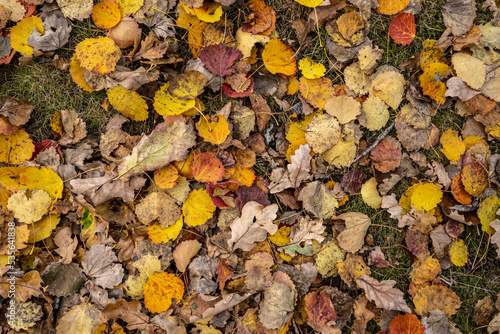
(234, 94)
(218, 58)
(402, 28)
(406, 324)
(319, 308)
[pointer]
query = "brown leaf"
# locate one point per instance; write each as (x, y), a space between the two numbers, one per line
(184, 252)
(386, 156)
(99, 264)
(130, 312)
(17, 111)
(25, 288)
(319, 308)
(483, 311)
(66, 244)
(258, 271)
(353, 237)
(383, 294)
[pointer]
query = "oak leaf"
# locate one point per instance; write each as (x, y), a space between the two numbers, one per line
(383, 294)
(255, 223)
(66, 244)
(159, 291)
(402, 28)
(300, 166)
(163, 145)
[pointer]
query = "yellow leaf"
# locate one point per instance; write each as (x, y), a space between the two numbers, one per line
(281, 237)
(327, 259)
(128, 102)
(188, 85)
(310, 3)
(43, 228)
(195, 37)
(370, 194)
(44, 179)
(166, 177)
(77, 73)
(159, 235)
(245, 42)
(279, 58)
(322, 133)
(470, 69)
(431, 53)
(316, 91)
(22, 31)
(213, 132)
(425, 272)
(487, 212)
(245, 177)
(184, 166)
(106, 14)
(29, 210)
(185, 20)
(391, 7)
(166, 104)
(293, 86)
(426, 196)
(458, 253)
(159, 291)
(210, 12)
(433, 69)
(389, 87)
(453, 145)
(376, 113)
(76, 9)
(348, 24)
(128, 7)
(341, 154)
(198, 208)
(296, 134)
(436, 297)
(352, 268)
(98, 55)
(311, 69)
(436, 90)
(9, 177)
(147, 265)
(16, 147)
(343, 107)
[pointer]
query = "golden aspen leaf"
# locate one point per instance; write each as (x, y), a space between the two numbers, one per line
(159, 235)
(426, 196)
(322, 133)
(42, 178)
(405, 200)
(425, 272)
(470, 69)
(213, 132)
(29, 210)
(310, 3)
(310, 69)
(436, 90)
(76, 9)
(158, 206)
(436, 297)
(245, 42)
(98, 55)
(352, 268)
(128, 102)
(184, 166)
(316, 91)
(159, 291)
(198, 208)
(453, 145)
(389, 87)
(475, 178)
(43, 228)
(16, 147)
(207, 168)
(487, 212)
(245, 177)
(376, 113)
(281, 237)
(341, 154)
(293, 86)
(166, 104)
(9, 177)
(186, 20)
(210, 12)
(391, 7)
(22, 31)
(106, 14)
(348, 24)
(166, 177)
(370, 194)
(77, 72)
(188, 85)
(433, 69)
(458, 253)
(195, 37)
(279, 58)
(431, 53)
(128, 7)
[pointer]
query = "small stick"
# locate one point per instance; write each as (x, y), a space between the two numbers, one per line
(379, 139)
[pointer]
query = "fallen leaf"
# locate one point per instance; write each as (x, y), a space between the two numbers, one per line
(383, 294)
(474, 178)
(130, 312)
(218, 59)
(436, 297)
(16, 147)
(370, 194)
(406, 324)
(279, 58)
(25, 315)
(98, 55)
(29, 210)
(353, 237)
(471, 70)
(157, 206)
(318, 200)
(402, 28)
(386, 156)
(207, 168)
(389, 87)
(277, 307)
(106, 14)
(311, 69)
(99, 264)
(458, 253)
(322, 133)
(167, 104)
(343, 107)
(184, 252)
(66, 244)
(197, 208)
(128, 102)
(159, 291)
(459, 15)
(483, 311)
(328, 257)
(391, 7)
(83, 318)
(319, 308)
(22, 31)
(426, 196)
(63, 279)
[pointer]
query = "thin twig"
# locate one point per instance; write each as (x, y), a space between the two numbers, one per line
(379, 139)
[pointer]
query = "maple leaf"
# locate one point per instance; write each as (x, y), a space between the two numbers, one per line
(163, 145)
(402, 28)
(300, 165)
(383, 294)
(255, 223)
(159, 291)
(218, 58)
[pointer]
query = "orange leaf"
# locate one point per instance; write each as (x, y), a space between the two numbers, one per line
(159, 291)
(391, 7)
(475, 178)
(106, 14)
(386, 156)
(166, 177)
(262, 20)
(207, 168)
(279, 58)
(436, 90)
(402, 28)
(316, 91)
(458, 191)
(406, 324)
(245, 176)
